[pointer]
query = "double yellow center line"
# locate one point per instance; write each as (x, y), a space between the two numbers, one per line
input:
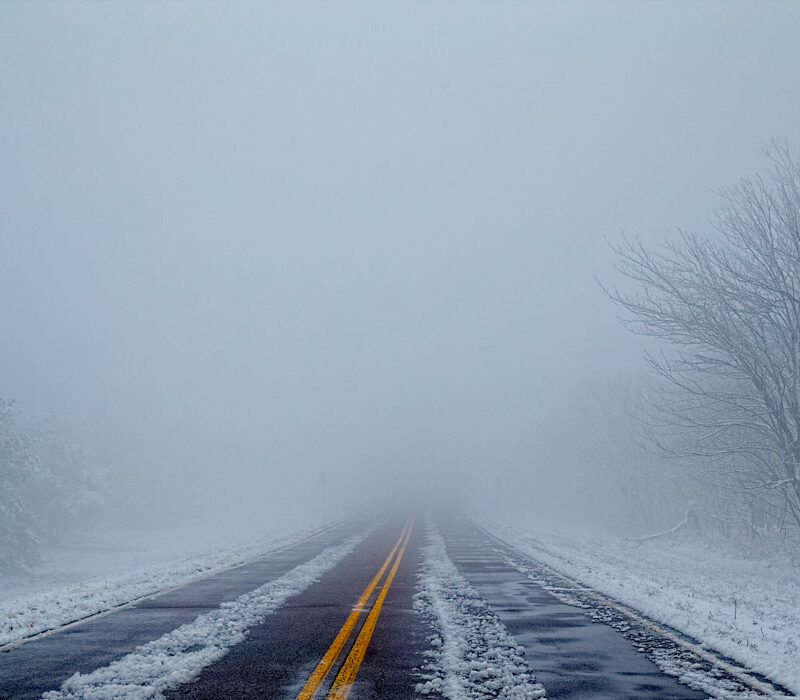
(343, 682)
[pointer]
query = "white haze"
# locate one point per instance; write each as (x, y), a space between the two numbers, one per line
(275, 258)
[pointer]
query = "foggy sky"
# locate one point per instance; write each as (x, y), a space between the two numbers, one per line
(244, 243)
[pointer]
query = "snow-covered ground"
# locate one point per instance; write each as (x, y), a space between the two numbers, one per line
(92, 573)
(473, 656)
(746, 606)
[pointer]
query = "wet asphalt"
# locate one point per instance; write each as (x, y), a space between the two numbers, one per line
(572, 656)
(43, 664)
(278, 655)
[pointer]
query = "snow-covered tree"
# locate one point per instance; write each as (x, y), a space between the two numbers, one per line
(727, 308)
(66, 493)
(19, 541)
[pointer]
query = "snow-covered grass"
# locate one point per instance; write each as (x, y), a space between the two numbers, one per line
(743, 605)
(180, 655)
(473, 657)
(106, 569)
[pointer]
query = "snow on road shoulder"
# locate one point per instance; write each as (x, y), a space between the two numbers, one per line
(746, 607)
(177, 657)
(26, 615)
(474, 656)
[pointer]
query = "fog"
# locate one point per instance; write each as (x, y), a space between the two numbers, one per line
(288, 260)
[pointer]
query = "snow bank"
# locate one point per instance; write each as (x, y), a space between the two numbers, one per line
(53, 605)
(180, 655)
(746, 607)
(474, 657)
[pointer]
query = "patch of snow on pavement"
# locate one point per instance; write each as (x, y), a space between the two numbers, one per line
(474, 656)
(744, 606)
(180, 655)
(133, 577)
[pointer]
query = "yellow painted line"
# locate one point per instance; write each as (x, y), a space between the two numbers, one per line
(344, 680)
(324, 666)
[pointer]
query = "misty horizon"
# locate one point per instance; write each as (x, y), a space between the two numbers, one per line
(360, 240)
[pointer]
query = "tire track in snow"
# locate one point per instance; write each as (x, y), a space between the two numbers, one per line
(178, 656)
(676, 654)
(474, 657)
(27, 618)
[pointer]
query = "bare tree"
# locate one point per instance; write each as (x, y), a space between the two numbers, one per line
(728, 310)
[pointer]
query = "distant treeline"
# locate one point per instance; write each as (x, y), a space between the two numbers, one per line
(47, 487)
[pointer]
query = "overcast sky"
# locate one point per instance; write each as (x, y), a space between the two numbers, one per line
(257, 238)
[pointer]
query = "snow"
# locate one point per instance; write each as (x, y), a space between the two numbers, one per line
(746, 606)
(98, 572)
(177, 657)
(473, 656)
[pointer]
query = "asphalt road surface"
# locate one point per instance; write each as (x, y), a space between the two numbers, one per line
(353, 632)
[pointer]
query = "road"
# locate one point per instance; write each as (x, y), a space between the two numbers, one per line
(346, 627)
